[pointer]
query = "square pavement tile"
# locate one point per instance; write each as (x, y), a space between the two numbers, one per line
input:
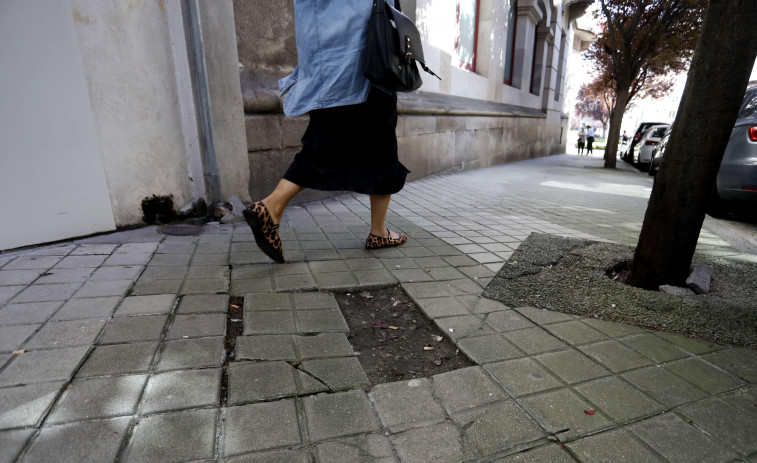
(664, 387)
(161, 273)
(22, 406)
(339, 374)
(129, 329)
(13, 337)
(7, 293)
(407, 404)
(257, 427)
(563, 412)
(370, 447)
(119, 359)
(45, 293)
(270, 347)
(314, 301)
(507, 320)
(523, 376)
(268, 302)
(263, 381)
(205, 286)
(679, 441)
(439, 443)
(126, 272)
(192, 353)
(617, 446)
(442, 307)
(104, 288)
(274, 456)
(180, 436)
(572, 366)
(81, 261)
(65, 275)
(197, 326)
(694, 346)
(145, 287)
(199, 303)
(336, 415)
(620, 401)
(612, 329)
(146, 305)
(704, 375)
(467, 388)
(575, 333)
(461, 326)
(19, 277)
(94, 441)
(744, 400)
(534, 340)
(90, 399)
(28, 313)
(323, 345)
(128, 258)
(735, 362)
(269, 323)
(178, 390)
(551, 453)
(654, 347)
(42, 366)
(298, 282)
(93, 249)
(12, 442)
(32, 263)
(91, 307)
(321, 321)
(726, 423)
(615, 356)
(488, 348)
(66, 334)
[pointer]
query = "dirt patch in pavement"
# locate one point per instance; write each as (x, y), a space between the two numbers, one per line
(394, 338)
(234, 329)
(571, 276)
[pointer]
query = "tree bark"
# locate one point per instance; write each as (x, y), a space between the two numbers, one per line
(714, 90)
(616, 119)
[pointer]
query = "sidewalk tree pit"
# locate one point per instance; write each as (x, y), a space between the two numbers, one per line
(394, 339)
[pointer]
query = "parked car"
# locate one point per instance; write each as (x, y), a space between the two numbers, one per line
(642, 154)
(737, 177)
(658, 151)
(627, 155)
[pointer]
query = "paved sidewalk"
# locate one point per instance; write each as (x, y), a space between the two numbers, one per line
(111, 348)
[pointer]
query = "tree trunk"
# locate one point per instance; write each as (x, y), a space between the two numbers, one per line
(616, 118)
(714, 90)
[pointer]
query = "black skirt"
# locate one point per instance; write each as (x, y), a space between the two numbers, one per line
(351, 148)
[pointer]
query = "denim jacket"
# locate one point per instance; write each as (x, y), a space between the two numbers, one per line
(331, 37)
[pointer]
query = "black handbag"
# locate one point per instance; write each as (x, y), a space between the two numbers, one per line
(393, 49)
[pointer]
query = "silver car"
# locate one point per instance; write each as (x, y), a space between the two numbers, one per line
(737, 178)
(642, 153)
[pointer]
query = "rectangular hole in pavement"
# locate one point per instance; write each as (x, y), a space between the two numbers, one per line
(234, 328)
(394, 338)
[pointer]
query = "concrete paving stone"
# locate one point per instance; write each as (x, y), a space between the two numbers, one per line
(498, 427)
(323, 345)
(615, 356)
(321, 321)
(208, 260)
(13, 337)
(145, 287)
(25, 405)
(273, 347)
(523, 376)
(128, 258)
(432, 262)
(93, 249)
(399, 263)
(33, 262)
(436, 307)
(337, 415)
(575, 333)
(724, 422)
(368, 278)
(260, 381)
(315, 254)
(276, 456)
(161, 273)
(534, 340)
(734, 362)
(617, 446)
(618, 400)
(465, 287)
(486, 258)
(205, 286)
(440, 443)
(654, 347)
(269, 323)
(26, 313)
(664, 387)
(680, 442)
(289, 268)
(704, 376)
(386, 253)
(205, 272)
(243, 246)
(694, 346)
(42, 366)
(64, 275)
(268, 301)
(410, 275)
(179, 390)
(46, 293)
(745, 400)
(257, 427)
(19, 277)
(507, 320)
(459, 327)
(459, 260)
(563, 412)
(612, 329)
(170, 260)
(104, 288)
(467, 388)
(119, 359)
(252, 258)
(299, 282)
(339, 374)
(481, 305)
(314, 300)
(336, 280)
(477, 271)
(444, 273)
(253, 285)
(173, 437)
(549, 453)
(55, 335)
(370, 447)
(72, 261)
(89, 399)
(197, 326)
(155, 304)
(136, 247)
(335, 266)
(488, 348)
(12, 442)
(127, 272)
(407, 404)
(201, 303)
(214, 248)
(417, 251)
(365, 263)
(192, 353)
(130, 329)
(94, 441)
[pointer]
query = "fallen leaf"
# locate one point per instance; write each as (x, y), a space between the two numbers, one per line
(391, 327)
(234, 306)
(589, 412)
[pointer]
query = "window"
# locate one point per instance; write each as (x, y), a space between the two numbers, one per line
(750, 108)
(512, 24)
(467, 34)
(560, 69)
(535, 79)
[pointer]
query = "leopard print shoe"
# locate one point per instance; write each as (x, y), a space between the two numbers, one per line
(377, 242)
(265, 231)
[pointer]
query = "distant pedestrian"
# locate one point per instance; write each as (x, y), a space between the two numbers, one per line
(589, 139)
(581, 141)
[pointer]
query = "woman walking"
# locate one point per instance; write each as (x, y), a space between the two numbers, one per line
(589, 139)
(350, 143)
(581, 141)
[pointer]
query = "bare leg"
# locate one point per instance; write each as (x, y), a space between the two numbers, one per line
(280, 197)
(379, 207)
